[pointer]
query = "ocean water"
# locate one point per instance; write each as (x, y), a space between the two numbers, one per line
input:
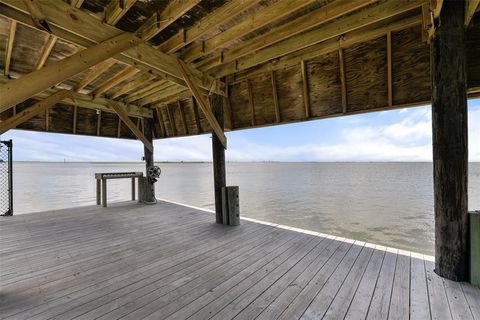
(384, 203)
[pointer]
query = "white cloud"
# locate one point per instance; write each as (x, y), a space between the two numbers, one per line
(408, 139)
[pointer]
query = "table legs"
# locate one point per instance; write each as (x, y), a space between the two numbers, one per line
(104, 192)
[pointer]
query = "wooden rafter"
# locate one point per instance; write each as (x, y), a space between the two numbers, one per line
(148, 90)
(95, 103)
(354, 21)
(76, 3)
(332, 45)
(34, 110)
(93, 74)
(35, 82)
(301, 24)
(47, 48)
(207, 111)
(133, 85)
(8, 49)
(470, 7)
(160, 20)
(210, 22)
(85, 30)
(116, 9)
(161, 94)
(256, 21)
(129, 123)
(124, 74)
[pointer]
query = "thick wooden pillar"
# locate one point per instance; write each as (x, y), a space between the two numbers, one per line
(148, 157)
(219, 177)
(450, 142)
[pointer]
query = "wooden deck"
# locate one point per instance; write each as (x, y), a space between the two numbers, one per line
(169, 261)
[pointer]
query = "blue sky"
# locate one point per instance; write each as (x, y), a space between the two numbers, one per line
(397, 135)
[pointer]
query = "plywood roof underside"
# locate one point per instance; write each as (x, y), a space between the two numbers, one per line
(281, 61)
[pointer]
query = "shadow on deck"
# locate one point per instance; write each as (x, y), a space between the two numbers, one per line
(132, 261)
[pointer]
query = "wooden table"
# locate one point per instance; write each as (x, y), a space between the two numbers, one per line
(104, 176)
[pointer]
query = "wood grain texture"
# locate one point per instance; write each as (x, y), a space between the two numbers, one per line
(172, 262)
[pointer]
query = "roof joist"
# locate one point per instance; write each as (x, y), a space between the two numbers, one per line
(116, 9)
(161, 20)
(8, 49)
(254, 22)
(47, 48)
(354, 21)
(349, 39)
(84, 30)
(305, 22)
(207, 24)
(89, 102)
(37, 81)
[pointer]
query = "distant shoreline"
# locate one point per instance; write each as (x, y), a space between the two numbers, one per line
(199, 162)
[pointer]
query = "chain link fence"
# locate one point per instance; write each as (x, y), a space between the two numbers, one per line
(6, 183)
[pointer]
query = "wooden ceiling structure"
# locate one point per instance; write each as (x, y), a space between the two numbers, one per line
(101, 67)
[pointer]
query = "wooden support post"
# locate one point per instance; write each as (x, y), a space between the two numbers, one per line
(99, 122)
(149, 191)
(182, 114)
(133, 189)
(99, 192)
(47, 119)
(450, 142)
(104, 192)
(75, 111)
(219, 177)
(197, 117)
(171, 119)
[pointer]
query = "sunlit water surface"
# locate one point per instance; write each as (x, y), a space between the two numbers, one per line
(385, 203)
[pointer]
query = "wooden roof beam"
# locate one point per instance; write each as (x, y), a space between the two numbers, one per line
(95, 103)
(205, 25)
(332, 45)
(35, 82)
(160, 20)
(133, 85)
(352, 22)
(471, 6)
(129, 123)
(308, 21)
(76, 3)
(47, 48)
(116, 9)
(8, 49)
(124, 74)
(161, 94)
(254, 22)
(217, 129)
(148, 90)
(85, 30)
(34, 110)
(93, 74)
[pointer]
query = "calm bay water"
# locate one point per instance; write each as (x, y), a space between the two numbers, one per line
(385, 203)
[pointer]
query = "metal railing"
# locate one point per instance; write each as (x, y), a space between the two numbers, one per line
(6, 178)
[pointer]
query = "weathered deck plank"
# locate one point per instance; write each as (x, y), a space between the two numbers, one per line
(172, 261)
